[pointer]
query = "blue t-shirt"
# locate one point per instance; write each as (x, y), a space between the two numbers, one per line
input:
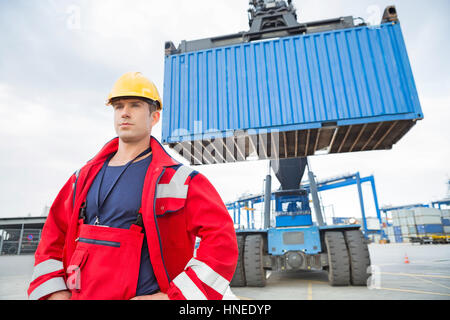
(120, 209)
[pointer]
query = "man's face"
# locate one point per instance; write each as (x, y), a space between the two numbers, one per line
(132, 119)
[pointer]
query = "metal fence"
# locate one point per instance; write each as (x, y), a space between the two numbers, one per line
(19, 241)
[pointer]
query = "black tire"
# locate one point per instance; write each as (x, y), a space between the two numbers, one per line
(338, 259)
(239, 275)
(255, 275)
(359, 257)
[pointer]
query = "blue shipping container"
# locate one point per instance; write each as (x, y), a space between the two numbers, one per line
(398, 238)
(429, 228)
(342, 91)
(397, 231)
(446, 222)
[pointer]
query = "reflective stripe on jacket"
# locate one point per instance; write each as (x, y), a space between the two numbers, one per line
(178, 205)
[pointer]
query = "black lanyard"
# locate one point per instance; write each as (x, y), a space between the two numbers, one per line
(105, 165)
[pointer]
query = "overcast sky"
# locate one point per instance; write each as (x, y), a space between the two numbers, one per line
(59, 59)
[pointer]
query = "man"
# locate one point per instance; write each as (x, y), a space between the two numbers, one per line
(124, 226)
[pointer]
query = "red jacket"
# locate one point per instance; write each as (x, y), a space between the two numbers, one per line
(184, 206)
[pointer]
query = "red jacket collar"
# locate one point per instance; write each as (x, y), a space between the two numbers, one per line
(160, 157)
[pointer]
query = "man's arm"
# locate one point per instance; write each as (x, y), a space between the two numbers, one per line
(48, 273)
(208, 274)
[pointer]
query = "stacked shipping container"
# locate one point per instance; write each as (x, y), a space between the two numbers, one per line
(428, 221)
(446, 220)
(419, 221)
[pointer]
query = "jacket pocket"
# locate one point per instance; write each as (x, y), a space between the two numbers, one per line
(100, 242)
(77, 262)
(164, 206)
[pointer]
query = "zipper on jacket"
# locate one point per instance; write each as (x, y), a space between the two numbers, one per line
(99, 242)
(156, 223)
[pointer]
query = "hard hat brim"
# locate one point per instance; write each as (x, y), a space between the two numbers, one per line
(155, 103)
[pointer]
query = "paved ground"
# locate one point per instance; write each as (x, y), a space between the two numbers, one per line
(427, 276)
(15, 275)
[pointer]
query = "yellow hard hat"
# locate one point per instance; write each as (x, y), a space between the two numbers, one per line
(134, 84)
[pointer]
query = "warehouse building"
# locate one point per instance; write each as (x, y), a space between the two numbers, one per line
(21, 235)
